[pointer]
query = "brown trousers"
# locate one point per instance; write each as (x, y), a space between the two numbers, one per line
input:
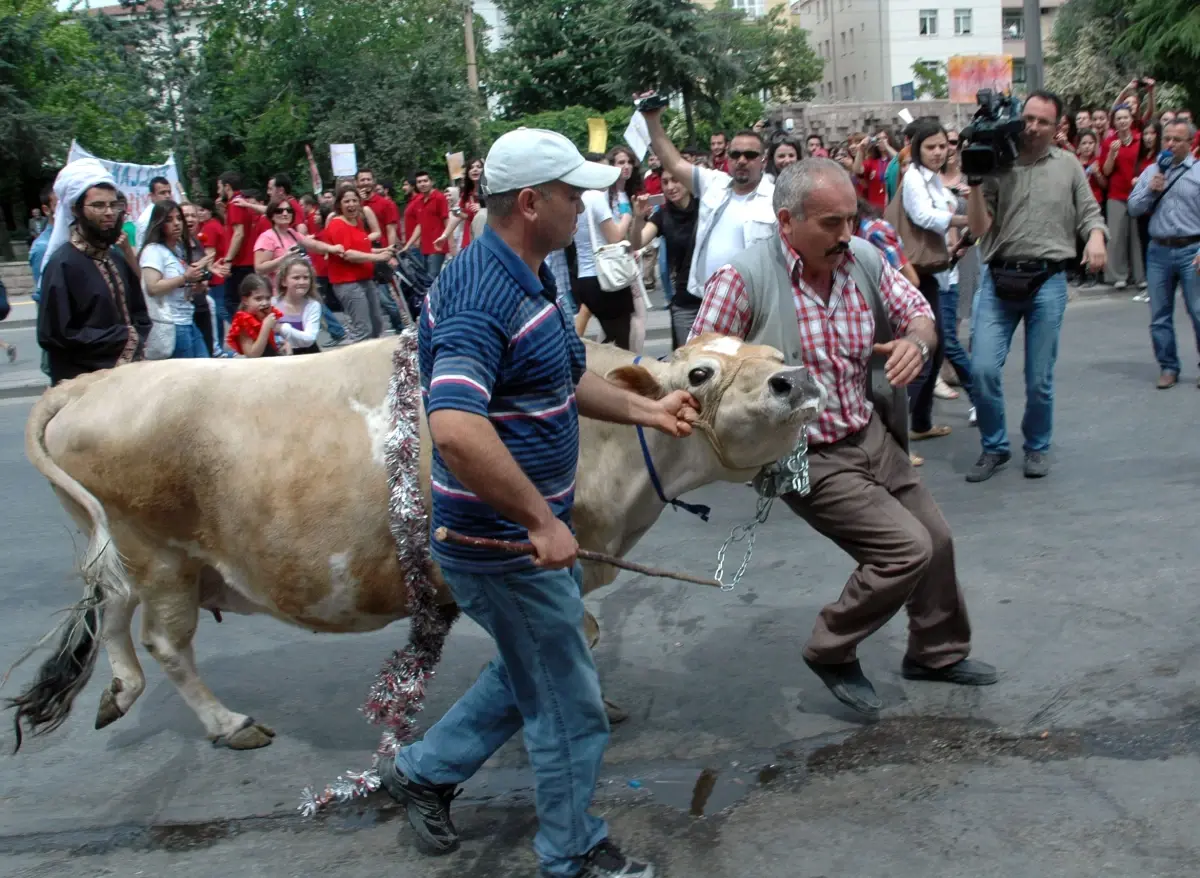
(866, 497)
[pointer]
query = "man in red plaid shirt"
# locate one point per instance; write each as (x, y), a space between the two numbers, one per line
(865, 494)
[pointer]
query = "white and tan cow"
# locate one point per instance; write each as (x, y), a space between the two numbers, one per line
(258, 486)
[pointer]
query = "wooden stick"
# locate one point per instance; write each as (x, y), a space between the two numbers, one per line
(445, 535)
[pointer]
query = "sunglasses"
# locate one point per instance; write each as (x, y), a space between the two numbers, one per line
(284, 210)
(748, 154)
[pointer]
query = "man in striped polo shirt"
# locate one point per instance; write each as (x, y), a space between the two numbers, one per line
(504, 381)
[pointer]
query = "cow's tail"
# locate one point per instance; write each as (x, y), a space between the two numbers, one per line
(45, 703)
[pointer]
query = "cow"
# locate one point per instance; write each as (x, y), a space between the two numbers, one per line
(259, 486)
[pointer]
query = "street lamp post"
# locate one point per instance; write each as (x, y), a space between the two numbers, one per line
(469, 37)
(1033, 45)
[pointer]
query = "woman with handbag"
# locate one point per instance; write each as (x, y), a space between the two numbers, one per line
(604, 266)
(923, 211)
(171, 280)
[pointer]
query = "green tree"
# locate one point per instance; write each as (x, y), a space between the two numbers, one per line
(388, 76)
(558, 54)
(1165, 34)
(930, 79)
(63, 77)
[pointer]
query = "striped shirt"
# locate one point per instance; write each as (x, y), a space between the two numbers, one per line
(495, 342)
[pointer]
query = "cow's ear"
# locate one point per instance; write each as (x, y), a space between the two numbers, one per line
(637, 379)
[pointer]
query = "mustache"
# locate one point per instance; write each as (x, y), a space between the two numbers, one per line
(840, 247)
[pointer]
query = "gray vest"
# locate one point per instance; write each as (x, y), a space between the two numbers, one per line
(773, 318)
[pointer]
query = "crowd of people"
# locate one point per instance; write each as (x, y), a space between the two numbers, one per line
(850, 261)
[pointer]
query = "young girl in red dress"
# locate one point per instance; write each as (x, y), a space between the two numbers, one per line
(252, 331)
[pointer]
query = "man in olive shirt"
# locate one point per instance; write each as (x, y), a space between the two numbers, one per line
(1027, 218)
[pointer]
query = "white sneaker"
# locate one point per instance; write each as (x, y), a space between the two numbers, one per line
(1120, 285)
(972, 418)
(1143, 285)
(1142, 297)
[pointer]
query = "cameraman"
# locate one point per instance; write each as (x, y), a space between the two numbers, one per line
(1026, 217)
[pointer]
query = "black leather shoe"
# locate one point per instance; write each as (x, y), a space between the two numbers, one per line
(967, 672)
(987, 465)
(849, 685)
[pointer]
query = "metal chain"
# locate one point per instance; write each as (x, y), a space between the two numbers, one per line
(742, 532)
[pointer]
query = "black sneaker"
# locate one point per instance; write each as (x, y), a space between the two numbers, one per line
(428, 807)
(605, 860)
(1037, 465)
(987, 465)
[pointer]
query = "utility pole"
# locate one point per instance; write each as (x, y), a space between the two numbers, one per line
(469, 36)
(1034, 66)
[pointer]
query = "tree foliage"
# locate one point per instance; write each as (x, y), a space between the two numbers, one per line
(1100, 45)
(930, 79)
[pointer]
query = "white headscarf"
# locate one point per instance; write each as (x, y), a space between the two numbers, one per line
(71, 182)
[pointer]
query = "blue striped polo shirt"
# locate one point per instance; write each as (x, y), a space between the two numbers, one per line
(496, 342)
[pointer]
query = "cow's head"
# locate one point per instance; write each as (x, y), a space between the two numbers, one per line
(753, 405)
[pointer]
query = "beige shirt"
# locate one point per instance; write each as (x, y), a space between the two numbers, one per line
(1039, 209)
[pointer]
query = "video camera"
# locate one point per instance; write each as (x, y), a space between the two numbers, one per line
(993, 137)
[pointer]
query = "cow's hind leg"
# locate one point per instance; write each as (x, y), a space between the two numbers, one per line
(170, 612)
(591, 631)
(128, 681)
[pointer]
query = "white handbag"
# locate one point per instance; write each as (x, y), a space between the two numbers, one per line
(615, 266)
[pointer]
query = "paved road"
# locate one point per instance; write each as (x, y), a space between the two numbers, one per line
(1081, 762)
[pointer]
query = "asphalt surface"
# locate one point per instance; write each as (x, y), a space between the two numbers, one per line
(1082, 761)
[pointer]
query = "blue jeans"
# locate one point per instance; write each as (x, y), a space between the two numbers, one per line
(664, 271)
(332, 325)
(1166, 267)
(954, 353)
(390, 308)
(543, 682)
(993, 326)
(189, 343)
(433, 263)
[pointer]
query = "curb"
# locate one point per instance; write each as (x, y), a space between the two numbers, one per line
(24, 390)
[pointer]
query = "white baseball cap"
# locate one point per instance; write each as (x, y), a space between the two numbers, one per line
(532, 156)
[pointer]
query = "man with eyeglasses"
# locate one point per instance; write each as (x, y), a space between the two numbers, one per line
(92, 315)
(735, 208)
(1169, 191)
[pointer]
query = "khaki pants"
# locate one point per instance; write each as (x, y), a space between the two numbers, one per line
(866, 497)
(1125, 260)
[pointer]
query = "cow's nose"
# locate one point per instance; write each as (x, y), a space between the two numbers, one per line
(780, 385)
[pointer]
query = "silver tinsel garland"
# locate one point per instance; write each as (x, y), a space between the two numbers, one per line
(398, 693)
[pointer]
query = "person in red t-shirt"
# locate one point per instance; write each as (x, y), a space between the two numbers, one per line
(239, 241)
(385, 210)
(210, 232)
(351, 274)
(1125, 261)
(653, 179)
(425, 218)
(1088, 154)
(465, 211)
(719, 161)
(870, 166)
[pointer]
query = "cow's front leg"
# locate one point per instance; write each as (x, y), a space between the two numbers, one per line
(171, 609)
(591, 632)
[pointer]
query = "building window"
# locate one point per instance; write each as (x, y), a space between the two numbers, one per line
(962, 22)
(826, 5)
(929, 22)
(846, 86)
(752, 8)
(852, 39)
(1013, 24)
(843, 42)
(854, 85)
(1018, 71)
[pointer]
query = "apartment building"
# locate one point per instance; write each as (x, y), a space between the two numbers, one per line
(869, 46)
(1012, 26)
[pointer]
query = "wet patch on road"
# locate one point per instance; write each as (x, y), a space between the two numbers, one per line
(698, 793)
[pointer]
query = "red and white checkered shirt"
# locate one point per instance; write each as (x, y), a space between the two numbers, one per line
(835, 338)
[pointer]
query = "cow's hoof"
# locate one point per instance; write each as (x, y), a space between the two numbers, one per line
(250, 736)
(614, 713)
(109, 711)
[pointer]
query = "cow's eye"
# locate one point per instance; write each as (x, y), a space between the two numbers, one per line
(699, 375)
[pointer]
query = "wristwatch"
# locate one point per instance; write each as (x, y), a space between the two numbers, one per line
(922, 347)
